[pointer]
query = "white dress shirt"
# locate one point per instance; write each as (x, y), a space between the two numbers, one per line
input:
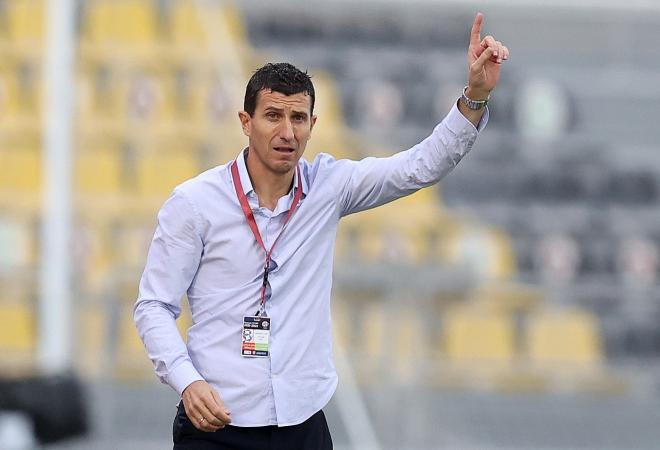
(204, 247)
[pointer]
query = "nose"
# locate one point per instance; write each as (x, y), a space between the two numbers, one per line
(286, 130)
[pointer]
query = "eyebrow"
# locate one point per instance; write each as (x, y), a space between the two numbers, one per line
(280, 110)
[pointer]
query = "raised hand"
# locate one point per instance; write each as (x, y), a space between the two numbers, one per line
(485, 57)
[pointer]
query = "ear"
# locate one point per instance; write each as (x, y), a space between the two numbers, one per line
(312, 123)
(246, 122)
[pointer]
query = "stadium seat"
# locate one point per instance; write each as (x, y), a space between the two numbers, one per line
(92, 341)
(128, 358)
(387, 341)
(508, 298)
(130, 361)
(102, 95)
(487, 251)
(99, 171)
(26, 24)
(21, 169)
(17, 328)
(158, 172)
(380, 235)
(369, 341)
(563, 339)
(21, 90)
(207, 98)
(332, 136)
(92, 247)
(115, 98)
(131, 238)
(473, 336)
(9, 95)
(341, 322)
(193, 24)
(409, 346)
(121, 22)
(150, 97)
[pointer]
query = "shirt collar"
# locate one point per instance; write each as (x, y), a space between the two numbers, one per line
(245, 177)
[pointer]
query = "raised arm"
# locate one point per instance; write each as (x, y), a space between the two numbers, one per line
(375, 181)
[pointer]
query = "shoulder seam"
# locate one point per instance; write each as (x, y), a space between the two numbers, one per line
(198, 218)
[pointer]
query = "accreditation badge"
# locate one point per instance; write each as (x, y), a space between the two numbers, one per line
(256, 336)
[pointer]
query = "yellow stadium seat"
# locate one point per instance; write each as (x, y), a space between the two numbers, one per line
(160, 172)
(148, 95)
(131, 361)
(474, 336)
(563, 339)
(410, 345)
(508, 297)
(193, 24)
(208, 98)
(328, 99)
(331, 135)
(22, 170)
(17, 327)
(92, 248)
(370, 340)
(21, 89)
(341, 322)
(487, 251)
(26, 22)
(139, 99)
(103, 93)
(121, 22)
(99, 171)
(132, 238)
(406, 232)
(9, 95)
(92, 343)
(384, 335)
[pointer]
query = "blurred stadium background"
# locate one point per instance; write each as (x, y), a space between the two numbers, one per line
(516, 306)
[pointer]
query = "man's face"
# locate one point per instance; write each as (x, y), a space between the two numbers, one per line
(278, 130)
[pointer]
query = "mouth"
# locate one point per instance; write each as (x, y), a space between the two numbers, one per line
(284, 149)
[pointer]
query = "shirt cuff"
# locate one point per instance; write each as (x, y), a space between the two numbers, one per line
(182, 376)
(456, 121)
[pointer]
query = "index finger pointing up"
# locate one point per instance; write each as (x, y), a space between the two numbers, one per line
(475, 34)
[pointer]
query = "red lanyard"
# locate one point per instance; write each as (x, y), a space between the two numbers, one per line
(247, 210)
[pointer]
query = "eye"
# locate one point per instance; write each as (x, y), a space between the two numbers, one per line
(299, 118)
(272, 115)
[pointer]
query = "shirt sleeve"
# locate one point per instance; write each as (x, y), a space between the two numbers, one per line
(172, 263)
(373, 182)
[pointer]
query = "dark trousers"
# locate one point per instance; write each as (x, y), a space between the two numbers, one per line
(312, 434)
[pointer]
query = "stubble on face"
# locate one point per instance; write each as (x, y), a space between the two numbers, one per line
(278, 130)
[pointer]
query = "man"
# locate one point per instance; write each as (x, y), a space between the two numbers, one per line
(251, 242)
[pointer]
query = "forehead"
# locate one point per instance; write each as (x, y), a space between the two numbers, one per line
(298, 102)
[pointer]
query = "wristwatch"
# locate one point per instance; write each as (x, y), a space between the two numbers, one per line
(473, 104)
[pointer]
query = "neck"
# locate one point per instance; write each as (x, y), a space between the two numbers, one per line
(269, 186)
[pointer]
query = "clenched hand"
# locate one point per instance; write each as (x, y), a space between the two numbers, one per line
(204, 407)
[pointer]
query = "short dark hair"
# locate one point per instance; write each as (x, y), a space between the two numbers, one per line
(284, 78)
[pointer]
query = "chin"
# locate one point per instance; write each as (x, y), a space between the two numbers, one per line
(283, 168)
